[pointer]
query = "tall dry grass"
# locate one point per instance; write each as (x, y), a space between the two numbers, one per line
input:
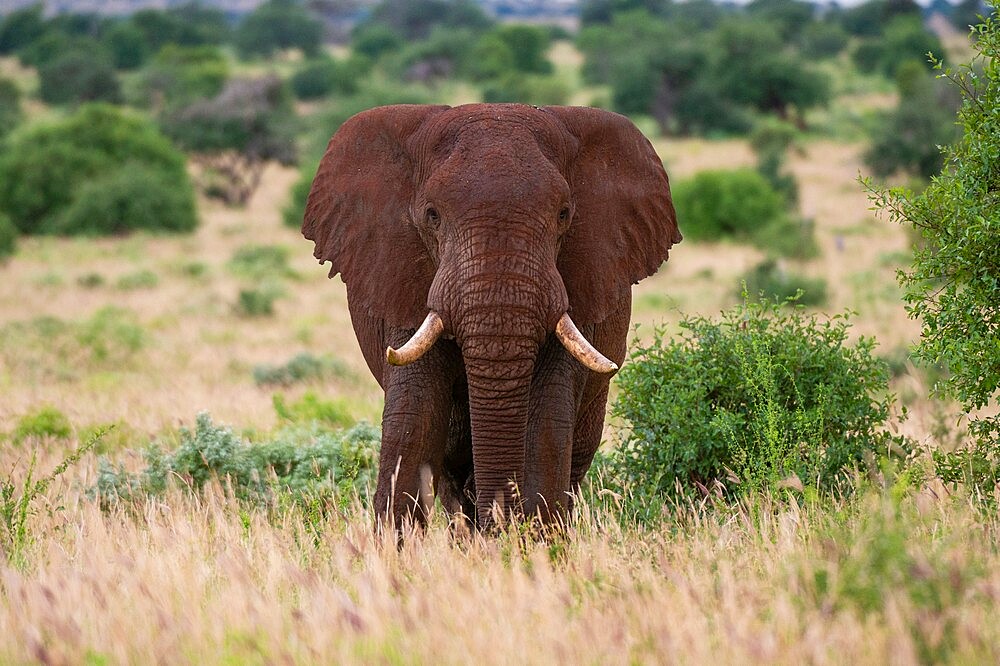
(207, 580)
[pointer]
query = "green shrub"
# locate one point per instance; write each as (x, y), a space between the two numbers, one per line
(144, 279)
(111, 334)
(261, 261)
(44, 169)
(257, 301)
(295, 209)
(90, 280)
(301, 460)
(769, 280)
(276, 25)
(302, 367)
(43, 422)
(8, 237)
(10, 106)
(744, 403)
(527, 89)
(78, 76)
(952, 286)
(130, 199)
(324, 76)
(311, 409)
(743, 206)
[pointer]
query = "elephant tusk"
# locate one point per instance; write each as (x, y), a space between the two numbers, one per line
(417, 346)
(574, 342)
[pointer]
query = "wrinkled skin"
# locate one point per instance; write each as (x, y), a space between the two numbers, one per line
(500, 218)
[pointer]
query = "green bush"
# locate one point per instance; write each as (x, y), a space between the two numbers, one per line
(260, 262)
(130, 199)
(302, 367)
(257, 301)
(527, 89)
(44, 170)
(143, 279)
(310, 408)
(772, 282)
(952, 285)
(43, 422)
(8, 237)
(745, 403)
(10, 106)
(321, 77)
(276, 25)
(743, 206)
(78, 76)
(305, 461)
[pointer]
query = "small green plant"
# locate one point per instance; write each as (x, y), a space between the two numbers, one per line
(302, 367)
(257, 301)
(144, 279)
(765, 394)
(770, 280)
(17, 501)
(44, 422)
(311, 409)
(111, 334)
(90, 280)
(303, 461)
(260, 262)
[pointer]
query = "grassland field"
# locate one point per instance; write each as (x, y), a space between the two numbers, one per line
(146, 331)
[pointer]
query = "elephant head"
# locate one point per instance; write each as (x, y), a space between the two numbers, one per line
(495, 226)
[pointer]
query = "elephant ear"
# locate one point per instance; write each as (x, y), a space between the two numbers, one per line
(624, 223)
(358, 214)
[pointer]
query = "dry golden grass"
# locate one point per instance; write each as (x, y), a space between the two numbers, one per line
(205, 580)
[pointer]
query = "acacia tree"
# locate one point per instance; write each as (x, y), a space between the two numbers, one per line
(233, 135)
(953, 286)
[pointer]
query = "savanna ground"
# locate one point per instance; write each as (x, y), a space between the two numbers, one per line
(144, 332)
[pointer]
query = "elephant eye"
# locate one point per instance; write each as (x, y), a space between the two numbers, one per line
(564, 214)
(432, 216)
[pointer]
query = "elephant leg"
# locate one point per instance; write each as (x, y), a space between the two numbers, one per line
(415, 425)
(457, 472)
(587, 437)
(555, 396)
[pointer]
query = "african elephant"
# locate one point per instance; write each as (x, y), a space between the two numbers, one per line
(489, 252)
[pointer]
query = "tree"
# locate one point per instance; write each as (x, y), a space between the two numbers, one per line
(10, 106)
(416, 19)
(234, 134)
(907, 139)
(178, 76)
(127, 44)
(43, 168)
(952, 286)
(277, 25)
(528, 45)
(77, 76)
(905, 38)
(20, 28)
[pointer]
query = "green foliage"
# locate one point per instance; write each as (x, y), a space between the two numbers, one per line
(78, 76)
(905, 39)
(44, 169)
(869, 18)
(261, 262)
(772, 282)
(908, 138)
(527, 89)
(310, 408)
(321, 77)
(131, 198)
(143, 279)
(416, 19)
(304, 461)
(127, 45)
(178, 76)
(276, 25)
(8, 237)
(770, 142)
(744, 403)
(18, 501)
(952, 286)
(258, 301)
(374, 40)
(527, 45)
(193, 23)
(303, 367)
(822, 39)
(295, 209)
(44, 422)
(21, 27)
(10, 106)
(742, 205)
